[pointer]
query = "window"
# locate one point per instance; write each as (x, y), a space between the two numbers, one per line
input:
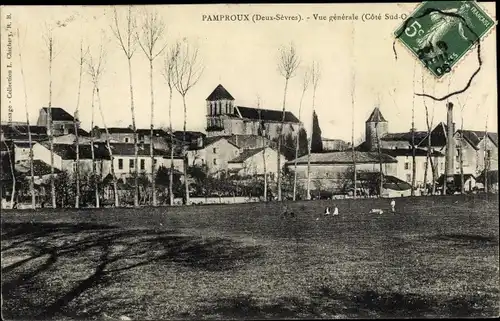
(155, 161)
(407, 165)
(143, 163)
(215, 150)
(131, 163)
(215, 161)
(127, 139)
(408, 178)
(120, 163)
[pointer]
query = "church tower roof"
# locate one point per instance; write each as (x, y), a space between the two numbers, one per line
(376, 116)
(220, 93)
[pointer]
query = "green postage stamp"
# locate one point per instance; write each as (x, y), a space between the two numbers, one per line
(440, 33)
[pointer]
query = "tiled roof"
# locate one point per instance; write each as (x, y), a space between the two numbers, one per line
(474, 137)
(376, 116)
(345, 157)
(59, 114)
(125, 149)
(265, 114)
(419, 152)
(390, 182)
(407, 136)
(69, 151)
(21, 132)
(246, 154)
(438, 136)
(220, 93)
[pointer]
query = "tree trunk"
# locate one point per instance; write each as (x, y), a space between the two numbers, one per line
(413, 158)
(461, 160)
(32, 171)
(136, 150)
(13, 173)
(297, 142)
(51, 135)
(76, 126)
(265, 172)
(94, 166)
(172, 145)
(115, 183)
(184, 150)
(308, 184)
(151, 147)
(381, 176)
(295, 165)
(280, 134)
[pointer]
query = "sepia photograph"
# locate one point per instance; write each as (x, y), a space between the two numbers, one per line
(249, 161)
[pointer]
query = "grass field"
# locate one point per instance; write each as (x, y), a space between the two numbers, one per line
(434, 257)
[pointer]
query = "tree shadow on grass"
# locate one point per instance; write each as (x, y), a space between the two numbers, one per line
(104, 253)
(323, 302)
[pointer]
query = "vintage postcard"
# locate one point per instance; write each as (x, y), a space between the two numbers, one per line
(249, 161)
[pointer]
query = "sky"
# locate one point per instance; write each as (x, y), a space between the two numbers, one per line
(356, 59)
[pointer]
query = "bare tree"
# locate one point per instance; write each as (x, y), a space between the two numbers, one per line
(95, 67)
(170, 60)
(49, 39)
(152, 28)
(315, 77)
(187, 71)
(12, 172)
(128, 43)
(413, 149)
(76, 124)
(461, 144)
(32, 171)
(354, 170)
(429, 122)
(353, 90)
(379, 152)
(288, 62)
(486, 156)
(305, 84)
(94, 167)
(263, 134)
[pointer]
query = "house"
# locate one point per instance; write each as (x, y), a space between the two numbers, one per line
(161, 137)
(399, 146)
(68, 154)
(476, 147)
(124, 160)
(333, 170)
(225, 118)
(41, 152)
(404, 157)
(250, 162)
(330, 145)
(62, 122)
(215, 154)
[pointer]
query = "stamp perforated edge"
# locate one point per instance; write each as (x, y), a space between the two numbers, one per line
(473, 48)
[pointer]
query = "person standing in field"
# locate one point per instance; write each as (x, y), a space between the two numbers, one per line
(393, 206)
(335, 211)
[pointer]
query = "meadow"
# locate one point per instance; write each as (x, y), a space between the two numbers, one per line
(434, 257)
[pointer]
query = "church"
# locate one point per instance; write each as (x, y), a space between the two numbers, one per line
(225, 118)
